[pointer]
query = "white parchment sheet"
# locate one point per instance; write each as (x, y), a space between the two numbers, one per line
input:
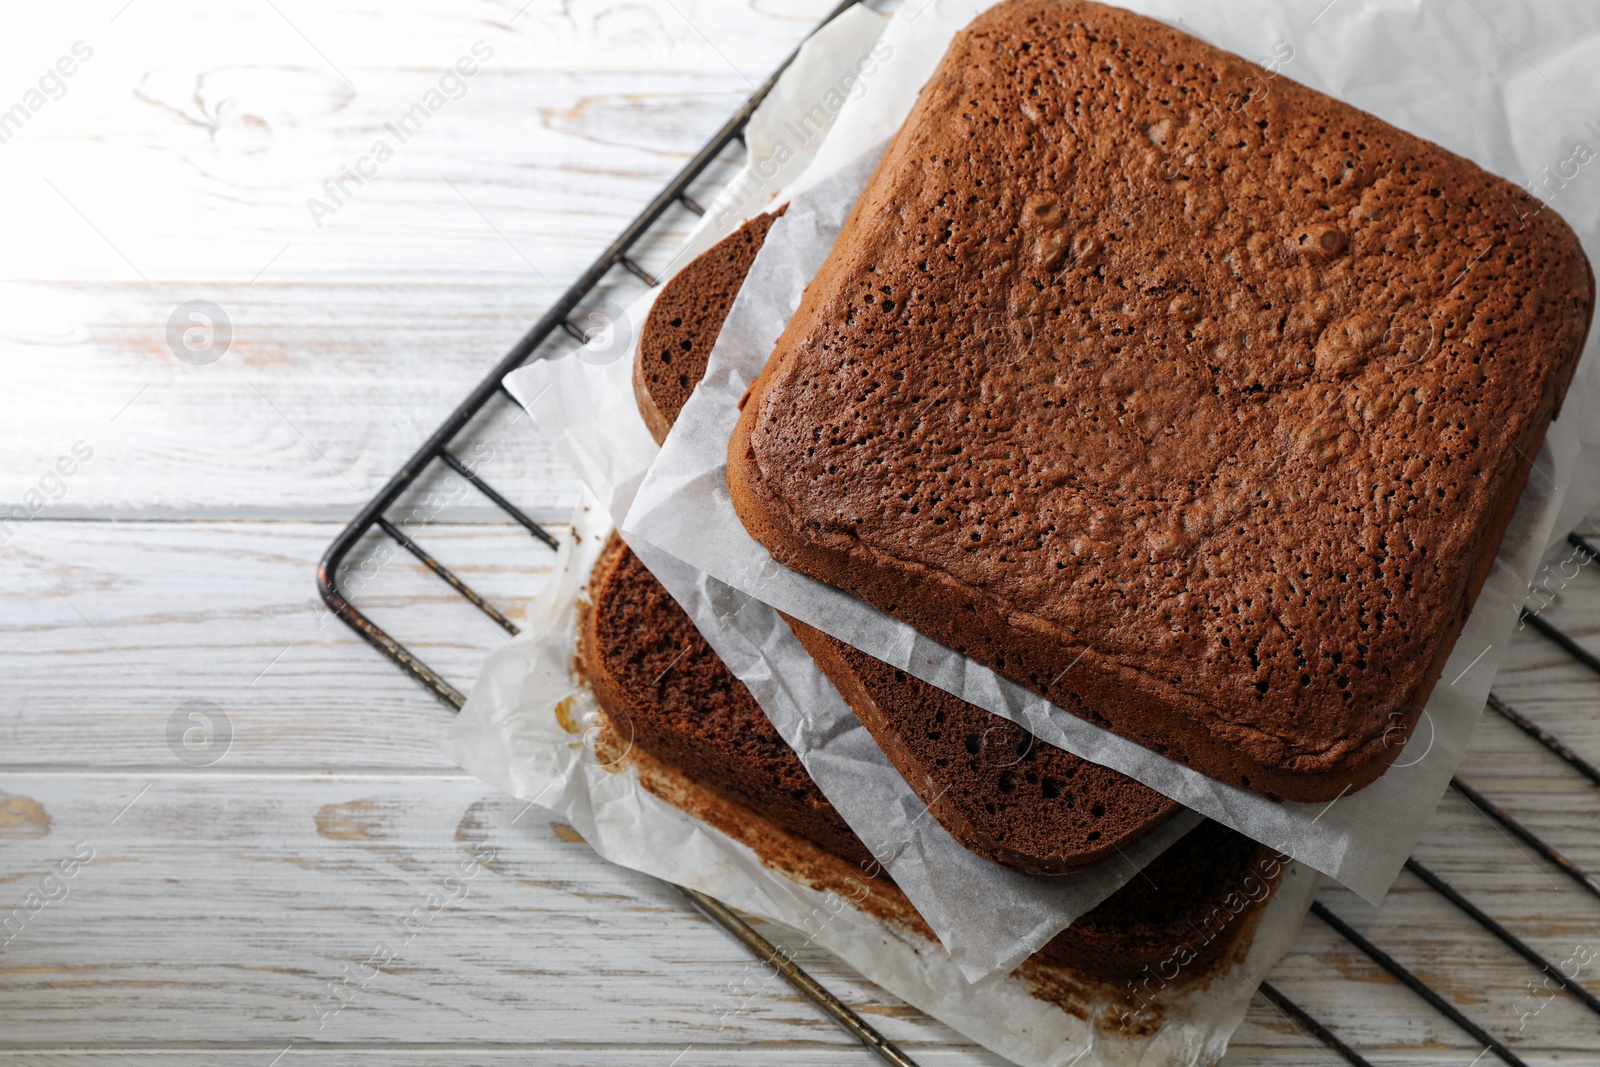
(509, 735)
(1418, 65)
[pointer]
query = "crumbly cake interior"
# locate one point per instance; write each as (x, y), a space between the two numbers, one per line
(999, 790)
(664, 688)
(675, 341)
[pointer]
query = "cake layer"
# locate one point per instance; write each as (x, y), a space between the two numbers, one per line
(997, 789)
(684, 321)
(1189, 398)
(657, 684)
(682, 707)
(1190, 904)
(662, 686)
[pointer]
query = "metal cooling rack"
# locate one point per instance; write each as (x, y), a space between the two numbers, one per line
(558, 321)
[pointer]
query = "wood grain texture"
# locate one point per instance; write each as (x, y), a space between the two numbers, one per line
(172, 571)
(110, 628)
(353, 333)
(215, 909)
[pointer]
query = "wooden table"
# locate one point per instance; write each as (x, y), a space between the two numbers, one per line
(228, 798)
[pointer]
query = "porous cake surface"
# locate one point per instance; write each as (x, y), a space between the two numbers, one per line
(663, 688)
(676, 338)
(996, 788)
(1188, 397)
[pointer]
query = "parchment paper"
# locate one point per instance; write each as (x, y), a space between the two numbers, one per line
(510, 735)
(1421, 68)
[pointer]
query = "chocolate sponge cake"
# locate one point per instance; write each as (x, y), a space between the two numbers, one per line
(650, 669)
(684, 321)
(1189, 904)
(996, 788)
(1021, 803)
(1188, 397)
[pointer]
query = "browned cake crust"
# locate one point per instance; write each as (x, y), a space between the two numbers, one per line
(683, 323)
(996, 788)
(1195, 402)
(660, 683)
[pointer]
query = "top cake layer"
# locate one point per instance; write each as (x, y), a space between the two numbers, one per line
(1190, 398)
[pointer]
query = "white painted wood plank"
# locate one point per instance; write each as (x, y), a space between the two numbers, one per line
(215, 909)
(351, 339)
(111, 628)
(222, 123)
(225, 441)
